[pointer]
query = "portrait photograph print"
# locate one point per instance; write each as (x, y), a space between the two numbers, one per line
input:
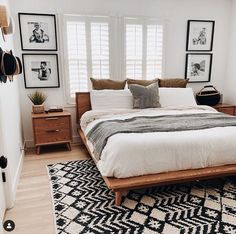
(198, 67)
(38, 31)
(41, 71)
(200, 35)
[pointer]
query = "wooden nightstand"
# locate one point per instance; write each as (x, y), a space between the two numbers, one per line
(52, 128)
(226, 108)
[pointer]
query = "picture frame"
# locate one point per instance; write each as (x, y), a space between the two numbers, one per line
(41, 71)
(200, 35)
(198, 67)
(38, 32)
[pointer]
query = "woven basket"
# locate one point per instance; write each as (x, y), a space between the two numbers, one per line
(208, 97)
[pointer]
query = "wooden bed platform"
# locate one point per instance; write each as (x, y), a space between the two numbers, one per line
(126, 184)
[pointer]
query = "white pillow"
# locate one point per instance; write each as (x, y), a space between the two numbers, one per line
(170, 97)
(111, 99)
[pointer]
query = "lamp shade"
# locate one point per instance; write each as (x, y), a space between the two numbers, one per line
(4, 18)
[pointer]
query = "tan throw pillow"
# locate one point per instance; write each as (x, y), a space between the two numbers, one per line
(173, 83)
(99, 84)
(145, 96)
(141, 82)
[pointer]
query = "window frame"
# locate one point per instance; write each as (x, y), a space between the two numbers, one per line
(117, 46)
(87, 19)
(144, 21)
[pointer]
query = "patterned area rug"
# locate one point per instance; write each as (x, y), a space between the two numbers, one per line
(83, 204)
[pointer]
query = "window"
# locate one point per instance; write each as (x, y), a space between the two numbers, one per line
(87, 51)
(100, 50)
(101, 46)
(154, 51)
(77, 56)
(144, 42)
(134, 51)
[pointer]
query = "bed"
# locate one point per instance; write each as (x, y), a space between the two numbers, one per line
(206, 158)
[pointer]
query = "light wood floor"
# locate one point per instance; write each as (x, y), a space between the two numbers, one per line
(33, 212)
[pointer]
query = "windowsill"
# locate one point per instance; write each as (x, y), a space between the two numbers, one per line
(70, 106)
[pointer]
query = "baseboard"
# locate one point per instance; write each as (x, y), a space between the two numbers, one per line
(29, 144)
(15, 181)
(77, 140)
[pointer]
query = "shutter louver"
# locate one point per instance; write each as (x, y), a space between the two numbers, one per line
(77, 55)
(134, 52)
(96, 46)
(100, 50)
(154, 51)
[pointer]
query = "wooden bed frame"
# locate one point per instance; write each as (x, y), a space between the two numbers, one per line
(120, 185)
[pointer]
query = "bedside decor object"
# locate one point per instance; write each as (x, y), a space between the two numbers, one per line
(200, 35)
(208, 95)
(52, 128)
(55, 109)
(41, 71)
(38, 31)
(198, 67)
(37, 98)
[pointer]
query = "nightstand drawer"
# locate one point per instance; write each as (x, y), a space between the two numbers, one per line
(52, 123)
(52, 135)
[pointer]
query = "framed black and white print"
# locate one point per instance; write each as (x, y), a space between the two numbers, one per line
(38, 31)
(41, 71)
(200, 35)
(198, 67)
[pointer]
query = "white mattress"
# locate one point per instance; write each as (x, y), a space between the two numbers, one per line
(127, 155)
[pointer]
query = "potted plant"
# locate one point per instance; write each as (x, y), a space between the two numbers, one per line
(37, 98)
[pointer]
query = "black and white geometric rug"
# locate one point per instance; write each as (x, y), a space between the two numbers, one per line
(83, 204)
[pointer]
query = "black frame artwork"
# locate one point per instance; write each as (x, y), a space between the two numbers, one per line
(43, 32)
(198, 36)
(198, 67)
(41, 71)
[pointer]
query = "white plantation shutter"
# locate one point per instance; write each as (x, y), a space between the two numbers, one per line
(100, 50)
(154, 51)
(87, 51)
(134, 51)
(144, 48)
(77, 57)
(98, 46)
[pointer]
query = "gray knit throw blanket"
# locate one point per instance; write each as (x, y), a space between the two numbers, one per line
(100, 133)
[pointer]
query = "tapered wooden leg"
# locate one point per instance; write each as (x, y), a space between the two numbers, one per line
(37, 149)
(118, 196)
(68, 146)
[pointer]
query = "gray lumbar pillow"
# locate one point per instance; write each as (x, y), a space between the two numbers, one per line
(145, 97)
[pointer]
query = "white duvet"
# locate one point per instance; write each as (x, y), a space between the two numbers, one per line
(134, 154)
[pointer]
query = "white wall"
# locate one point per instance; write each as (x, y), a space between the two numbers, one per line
(10, 120)
(230, 78)
(176, 14)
